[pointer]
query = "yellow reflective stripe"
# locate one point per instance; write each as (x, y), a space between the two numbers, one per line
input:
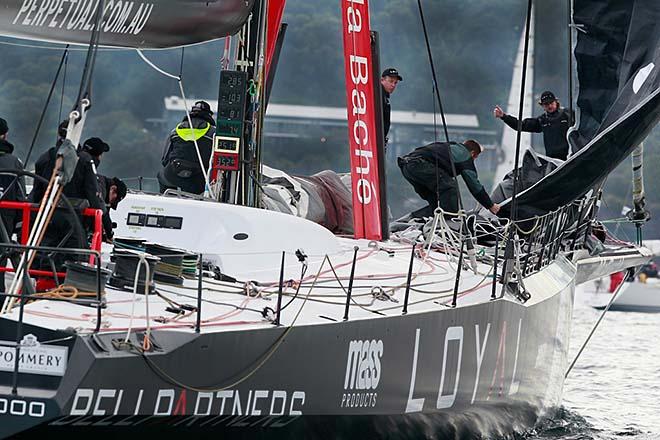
(192, 134)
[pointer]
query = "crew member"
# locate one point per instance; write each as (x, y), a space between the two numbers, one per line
(388, 81)
(12, 188)
(84, 183)
(429, 170)
(46, 163)
(112, 190)
(554, 124)
(181, 167)
(95, 147)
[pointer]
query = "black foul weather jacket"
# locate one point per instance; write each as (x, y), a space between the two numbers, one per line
(83, 184)
(180, 161)
(10, 188)
(438, 153)
(553, 126)
(387, 110)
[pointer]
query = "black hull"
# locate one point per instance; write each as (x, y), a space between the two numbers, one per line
(499, 420)
(490, 366)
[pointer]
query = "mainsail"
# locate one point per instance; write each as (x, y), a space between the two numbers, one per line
(617, 54)
(138, 24)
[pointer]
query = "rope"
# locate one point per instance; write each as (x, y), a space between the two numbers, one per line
(251, 370)
(185, 104)
(155, 67)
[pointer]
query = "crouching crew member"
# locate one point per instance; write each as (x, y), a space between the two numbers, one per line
(429, 170)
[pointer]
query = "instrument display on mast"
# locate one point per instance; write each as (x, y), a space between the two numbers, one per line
(232, 98)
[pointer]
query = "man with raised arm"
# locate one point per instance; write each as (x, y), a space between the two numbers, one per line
(554, 124)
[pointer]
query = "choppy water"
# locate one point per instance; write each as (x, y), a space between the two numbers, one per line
(613, 391)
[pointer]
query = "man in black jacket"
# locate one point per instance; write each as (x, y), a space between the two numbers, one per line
(113, 190)
(554, 124)
(12, 188)
(46, 163)
(83, 184)
(181, 167)
(429, 170)
(388, 81)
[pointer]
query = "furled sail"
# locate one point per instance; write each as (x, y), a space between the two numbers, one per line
(617, 54)
(126, 23)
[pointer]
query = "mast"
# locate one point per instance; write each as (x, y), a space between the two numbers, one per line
(638, 215)
(236, 163)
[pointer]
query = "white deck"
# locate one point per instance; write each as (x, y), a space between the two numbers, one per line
(378, 289)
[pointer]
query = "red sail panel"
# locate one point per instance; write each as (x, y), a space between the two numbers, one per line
(361, 107)
(275, 12)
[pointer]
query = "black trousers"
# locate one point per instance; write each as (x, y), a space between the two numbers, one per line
(431, 183)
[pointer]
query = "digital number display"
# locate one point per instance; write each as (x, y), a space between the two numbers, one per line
(226, 144)
(227, 162)
(232, 79)
(229, 128)
(231, 97)
(232, 113)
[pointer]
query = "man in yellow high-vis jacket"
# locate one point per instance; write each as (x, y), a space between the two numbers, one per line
(181, 166)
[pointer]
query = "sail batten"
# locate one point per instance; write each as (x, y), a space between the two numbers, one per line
(133, 24)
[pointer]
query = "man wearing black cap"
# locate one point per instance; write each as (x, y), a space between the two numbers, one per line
(388, 81)
(181, 167)
(84, 183)
(95, 147)
(554, 124)
(11, 188)
(112, 190)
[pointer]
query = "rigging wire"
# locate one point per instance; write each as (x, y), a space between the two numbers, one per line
(85, 90)
(179, 80)
(600, 318)
(435, 82)
(516, 169)
(66, 65)
(46, 104)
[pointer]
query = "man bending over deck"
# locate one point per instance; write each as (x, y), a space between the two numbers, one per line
(429, 170)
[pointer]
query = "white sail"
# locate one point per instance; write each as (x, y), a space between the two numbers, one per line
(508, 143)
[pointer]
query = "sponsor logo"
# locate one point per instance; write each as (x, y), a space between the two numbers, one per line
(34, 358)
(182, 402)
(21, 408)
(363, 373)
(119, 16)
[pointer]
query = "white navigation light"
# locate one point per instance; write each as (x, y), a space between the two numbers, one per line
(641, 76)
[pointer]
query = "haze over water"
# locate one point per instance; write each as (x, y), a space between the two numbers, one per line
(613, 391)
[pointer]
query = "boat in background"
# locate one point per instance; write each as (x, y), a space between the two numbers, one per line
(641, 294)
